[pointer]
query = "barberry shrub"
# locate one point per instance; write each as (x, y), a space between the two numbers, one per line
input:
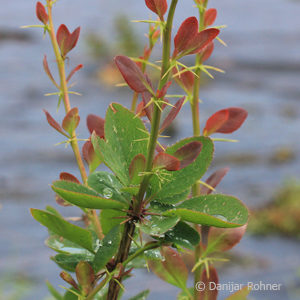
(153, 205)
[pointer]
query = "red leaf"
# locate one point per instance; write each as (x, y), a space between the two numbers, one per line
(225, 121)
(68, 177)
(172, 114)
(41, 13)
(213, 180)
(69, 279)
(137, 165)
(207, 51)
(74, 71)
(148, 108)
(186, 33)
(85, 276)
(131, 73)
(209, 282)
(166, 161)
(140, 111)
(188, 153)
(66, 40)
(88, 152)
(159, 7)
(71, 121)
(201, 40)
(53, 123)
(48, 72)
(162, 93)
(226, 238)
(187, 79)
(210, 17)
(95, 123)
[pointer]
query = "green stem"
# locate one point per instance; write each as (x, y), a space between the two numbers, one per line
(125, 244)
(197, 132)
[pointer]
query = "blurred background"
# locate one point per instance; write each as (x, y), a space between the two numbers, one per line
(262, 64)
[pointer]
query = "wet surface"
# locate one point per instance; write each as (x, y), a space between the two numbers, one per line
(262, 75)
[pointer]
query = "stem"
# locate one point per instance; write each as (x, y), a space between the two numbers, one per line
(196, 131)
(65, 96)
(129, 229)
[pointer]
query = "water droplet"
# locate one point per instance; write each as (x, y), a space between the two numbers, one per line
(109, 242)
(220, 217)
(107, 193)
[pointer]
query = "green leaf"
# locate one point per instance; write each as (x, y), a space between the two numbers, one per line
(172, 270)
(126, 137)
(53, 291)
(183, 235)
(158, 225)
(109, 218)
(141, 296)
(176, 198)
(69, 262)
(241, 294)
(108, 248)
(212, 210)
(75, 234)
(53, 211)
(85, 276)
(83, 196)
(71, 296)
(179, 181)
(107, 185)
(61, 245)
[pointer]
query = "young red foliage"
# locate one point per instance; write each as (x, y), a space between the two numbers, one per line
(85, 276)
(225, 121)
(207, 51)
(188, 153)
(172, 114)
(226, 238)
(48, 72)
(210, 17)
(74, 71)
(71, 121)
(201, 40)
(148, 106)
(186, 78)
(213, 180)
(162, 93)
(41, 13)
(166, 161)
(66, 40)
(95, 123)
(131, 73)
(186, 32)
(159, 7)
(69, 279)
(68, 177)
(137, 165)
(207, 280)
(53, 123)
(88, 152)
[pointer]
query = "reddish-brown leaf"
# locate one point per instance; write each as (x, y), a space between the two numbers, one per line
(210, 17)
(172, 114)
(131, 73)
(68, 177)
(187, 79)
(225, 238)
(53, 123)
(188, 153)
(201, 40)
(207, 51)
(162, 93)
(74, 71)
(159, 7)
(213, 180)
(85, 276)
(48, 72)
(88, 152)
(41, 13)
(71, 121)
(166, 161)
(137, 165)
(66, 40)
(95, 123)
(209, 282)
(186, 33)
(225, 121)
(140, 111)
(69, 279)
(148, 106)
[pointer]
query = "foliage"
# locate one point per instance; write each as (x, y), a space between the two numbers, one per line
(153, 204)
